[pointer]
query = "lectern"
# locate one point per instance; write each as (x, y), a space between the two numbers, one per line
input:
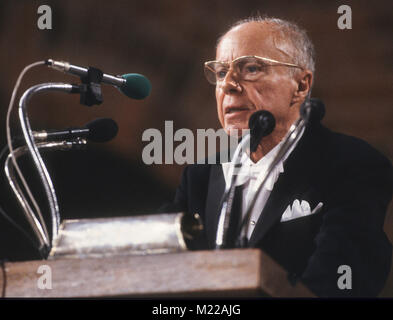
(175, 274)
(222, 273)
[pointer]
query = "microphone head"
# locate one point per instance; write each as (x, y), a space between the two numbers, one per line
(261, 124)
(137, 86)
(316, 110)
(102, 130)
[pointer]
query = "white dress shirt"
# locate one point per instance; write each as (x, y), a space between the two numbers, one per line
(250, 177)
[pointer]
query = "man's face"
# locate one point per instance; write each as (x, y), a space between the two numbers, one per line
(236, 102)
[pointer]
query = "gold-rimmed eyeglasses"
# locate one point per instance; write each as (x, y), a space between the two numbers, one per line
(247, 68)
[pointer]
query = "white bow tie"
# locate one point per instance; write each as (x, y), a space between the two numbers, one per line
(255, 173)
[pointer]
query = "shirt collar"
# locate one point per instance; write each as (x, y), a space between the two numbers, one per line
(251, 171)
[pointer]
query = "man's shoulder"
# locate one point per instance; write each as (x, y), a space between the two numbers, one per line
(200, 170)
(200, 173)
(345, 148)
(337, 150)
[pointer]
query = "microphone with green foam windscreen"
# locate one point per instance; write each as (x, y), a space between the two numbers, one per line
(136, 86)
(133, 85)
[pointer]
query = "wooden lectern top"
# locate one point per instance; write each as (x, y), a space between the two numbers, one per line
(226, 273)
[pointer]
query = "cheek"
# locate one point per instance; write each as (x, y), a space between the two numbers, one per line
(262, 97)
(274, 95)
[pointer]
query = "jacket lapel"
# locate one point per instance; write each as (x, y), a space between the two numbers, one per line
(290, 184)
(216, 189)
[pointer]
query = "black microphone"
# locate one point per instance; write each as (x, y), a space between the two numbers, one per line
(98, 130)
(312, 110)
(133, 85)
(261, 124)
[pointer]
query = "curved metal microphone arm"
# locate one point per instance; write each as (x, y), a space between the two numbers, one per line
(39, 230)
(227, 199)
(33, 150)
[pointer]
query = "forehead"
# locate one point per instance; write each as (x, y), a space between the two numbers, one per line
(252, 38)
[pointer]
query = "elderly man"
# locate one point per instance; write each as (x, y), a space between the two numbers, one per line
(323, 210)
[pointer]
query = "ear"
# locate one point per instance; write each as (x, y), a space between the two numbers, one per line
(304, 81)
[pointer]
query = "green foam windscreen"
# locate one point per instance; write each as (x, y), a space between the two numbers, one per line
(137, 86)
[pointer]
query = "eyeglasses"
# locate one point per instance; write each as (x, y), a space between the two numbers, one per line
(247, 68)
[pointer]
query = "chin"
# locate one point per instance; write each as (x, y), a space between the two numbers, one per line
(236, 131)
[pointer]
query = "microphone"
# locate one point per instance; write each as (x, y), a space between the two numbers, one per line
(261, 124)
(98, 130)
(133, 85)
(312, 110)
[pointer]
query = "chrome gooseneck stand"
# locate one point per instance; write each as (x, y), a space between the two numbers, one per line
(90, 92)
(229, 193)
(88, 237)
(32, 149)
(39, 230)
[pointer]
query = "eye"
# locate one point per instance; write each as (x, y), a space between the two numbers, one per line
(221, 73)
(252, 68)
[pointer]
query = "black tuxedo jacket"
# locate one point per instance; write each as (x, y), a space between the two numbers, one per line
(353, 181)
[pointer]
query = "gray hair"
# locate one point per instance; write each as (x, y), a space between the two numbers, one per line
(303, 49)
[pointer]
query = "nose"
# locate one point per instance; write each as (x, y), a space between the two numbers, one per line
(230, 84)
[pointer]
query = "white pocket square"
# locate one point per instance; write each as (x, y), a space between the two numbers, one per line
(298, 210)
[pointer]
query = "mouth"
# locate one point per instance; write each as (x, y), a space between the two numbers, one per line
(235, 109)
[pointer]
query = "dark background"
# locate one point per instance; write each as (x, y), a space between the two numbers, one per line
(168, 41)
